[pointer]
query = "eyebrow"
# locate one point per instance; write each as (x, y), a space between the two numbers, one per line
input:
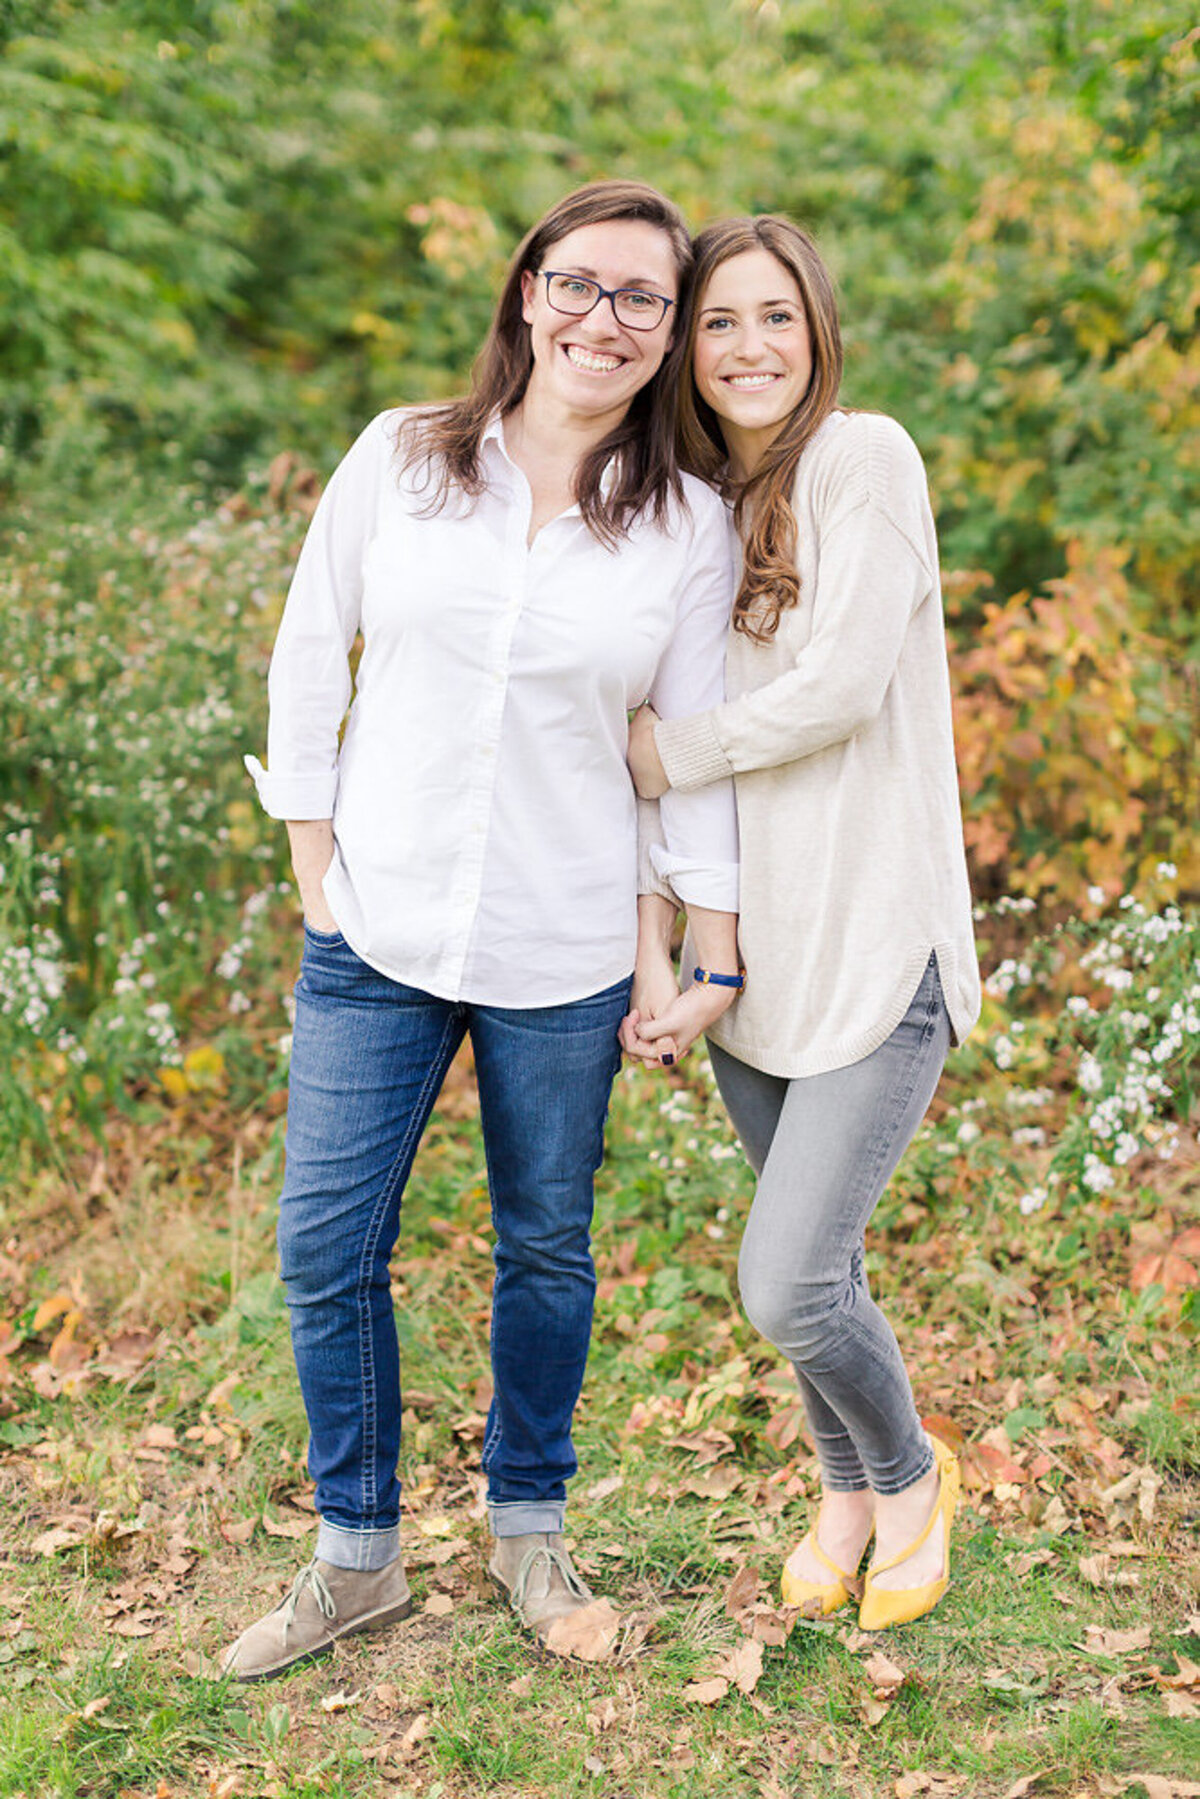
(783, 302)
(583, 268)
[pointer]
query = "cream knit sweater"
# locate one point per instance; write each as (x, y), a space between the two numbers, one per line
(838, 735)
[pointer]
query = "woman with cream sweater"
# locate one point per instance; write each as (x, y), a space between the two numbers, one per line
(855, 909)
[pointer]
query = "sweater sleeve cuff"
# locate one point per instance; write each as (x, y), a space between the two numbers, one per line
(691, 751)
(293, 796)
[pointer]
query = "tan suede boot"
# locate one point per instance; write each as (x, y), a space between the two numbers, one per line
(539, 1578)
(325, 1603)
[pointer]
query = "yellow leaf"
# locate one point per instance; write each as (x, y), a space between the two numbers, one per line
(52, 1308)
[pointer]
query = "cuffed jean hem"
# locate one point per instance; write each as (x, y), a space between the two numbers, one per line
(365, 1551)
(524, 1517)
(887, 1489)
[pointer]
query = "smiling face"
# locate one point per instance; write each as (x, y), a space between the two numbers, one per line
(753, 358)
(589, 369)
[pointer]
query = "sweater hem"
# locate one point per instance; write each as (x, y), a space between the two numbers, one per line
(844, 1052)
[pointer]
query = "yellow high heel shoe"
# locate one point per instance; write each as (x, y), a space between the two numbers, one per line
(817, 1599)
(882, 1606)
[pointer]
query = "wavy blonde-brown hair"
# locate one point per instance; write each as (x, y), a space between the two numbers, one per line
(763, 503)
(447, 439)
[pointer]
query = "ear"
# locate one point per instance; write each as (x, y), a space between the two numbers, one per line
(528, 287)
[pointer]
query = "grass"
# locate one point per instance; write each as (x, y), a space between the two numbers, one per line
(162, 1476)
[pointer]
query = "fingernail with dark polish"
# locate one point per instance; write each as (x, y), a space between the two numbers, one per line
(668, 1061)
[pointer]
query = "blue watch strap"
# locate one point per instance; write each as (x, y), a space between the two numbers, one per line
(705, 979)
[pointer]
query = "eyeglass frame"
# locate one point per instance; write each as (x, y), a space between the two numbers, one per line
(611, 294)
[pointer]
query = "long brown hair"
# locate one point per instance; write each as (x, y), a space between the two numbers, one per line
(762, 504)
(447, 438)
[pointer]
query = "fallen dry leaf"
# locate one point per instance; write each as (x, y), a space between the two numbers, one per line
(1158, 1786)
(438, 1605)
(705, 1692)
(1186, 1675)
(743, 1668)
(950, 1433)
(94, 1707)
(414, 1736)
(293, 1526)
(718, 1483)
(240, 1532)
(1102, 1571)
(1025, 1785)
(60, 1536)
(885, 1677)
(1114, 1642)
(604, 1489)
(587, 1635)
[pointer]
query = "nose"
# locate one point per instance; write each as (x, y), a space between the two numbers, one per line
(602, 320)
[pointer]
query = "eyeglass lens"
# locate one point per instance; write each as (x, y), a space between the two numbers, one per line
(576, 294)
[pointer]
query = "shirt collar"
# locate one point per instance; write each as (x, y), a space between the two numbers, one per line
(493, 432)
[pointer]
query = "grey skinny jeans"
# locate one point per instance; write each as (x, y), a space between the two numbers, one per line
(824, 1148)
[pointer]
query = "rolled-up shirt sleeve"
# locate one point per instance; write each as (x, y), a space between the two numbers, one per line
(698, 851)
(309, 684)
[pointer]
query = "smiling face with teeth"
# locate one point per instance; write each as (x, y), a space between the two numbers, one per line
(591, 367)
(753, 358)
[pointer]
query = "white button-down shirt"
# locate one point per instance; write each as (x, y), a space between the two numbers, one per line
(484, 820)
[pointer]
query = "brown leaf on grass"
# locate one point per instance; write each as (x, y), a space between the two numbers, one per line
(158, 1436)
(522, 1686)
(718, 1483)
(410, 1743)
(872, 1711)
(1183, 1705)
(604, 1489)
(293, 1526)
(438, 1605)
(1102, 1570)
(984, 1465)
(127, 1354)
(705, 1692)
(1114, 1642)
(586, 1635)
(241, 1532)
(1026, 1560)
(1185, 1677)
(60, 1536)
(1136, 1490)
(706, 1445)
(885, 1677)
(1026, 1784)
(935, 1784)
(741, 1593)
(94, 1707)
(142, 1625)
(744, 1666)
(1157, 1786)
(950, 1433)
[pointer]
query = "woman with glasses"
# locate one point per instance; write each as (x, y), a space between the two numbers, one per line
(524, 565)
(855, 910)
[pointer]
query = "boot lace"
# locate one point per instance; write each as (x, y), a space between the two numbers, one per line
(534, 1558)
(308, 1580)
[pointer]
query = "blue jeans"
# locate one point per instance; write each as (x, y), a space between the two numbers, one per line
(824, 1149)
(368, 1058)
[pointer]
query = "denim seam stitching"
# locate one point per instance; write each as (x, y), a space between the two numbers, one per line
(416, 1124)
